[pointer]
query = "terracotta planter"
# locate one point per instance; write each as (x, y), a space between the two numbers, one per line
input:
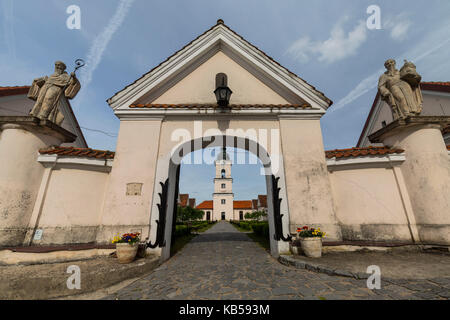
(312, 247)
(126, 253)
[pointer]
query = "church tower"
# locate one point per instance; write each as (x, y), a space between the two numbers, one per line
(223, 196)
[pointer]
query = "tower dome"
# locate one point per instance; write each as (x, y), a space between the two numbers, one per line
(223, 155)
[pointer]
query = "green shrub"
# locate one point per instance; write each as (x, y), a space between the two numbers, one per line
(245, 225)
(261, 229)
(182, 230)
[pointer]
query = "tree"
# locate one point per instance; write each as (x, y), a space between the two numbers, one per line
(189, 214)
(255, 215)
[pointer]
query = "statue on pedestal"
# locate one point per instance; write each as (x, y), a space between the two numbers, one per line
(46, 91)
(401, 89)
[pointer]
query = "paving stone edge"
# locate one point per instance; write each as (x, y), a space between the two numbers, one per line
(301, 264)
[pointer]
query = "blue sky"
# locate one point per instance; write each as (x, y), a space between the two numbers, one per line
(326, 43)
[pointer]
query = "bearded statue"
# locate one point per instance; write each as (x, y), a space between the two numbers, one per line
(401, 89)
(46, 91)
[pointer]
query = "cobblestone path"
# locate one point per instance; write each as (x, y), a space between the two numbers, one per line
(223, 263)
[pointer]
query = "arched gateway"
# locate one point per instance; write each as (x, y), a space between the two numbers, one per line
(182, 106)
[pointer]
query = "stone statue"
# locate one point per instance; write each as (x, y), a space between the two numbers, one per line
(401, 89)
(46, 91)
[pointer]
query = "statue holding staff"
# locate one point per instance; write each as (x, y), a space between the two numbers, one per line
(46, 91)
(401, 89)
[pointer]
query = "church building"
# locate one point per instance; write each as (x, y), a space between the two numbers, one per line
(223, 206)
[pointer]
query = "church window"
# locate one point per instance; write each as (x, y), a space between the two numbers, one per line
(223, 173)
(221, 80)
(223, 201)
(223, 185)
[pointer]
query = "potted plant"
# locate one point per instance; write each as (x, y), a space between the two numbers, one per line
(311, 241)
(126, 246)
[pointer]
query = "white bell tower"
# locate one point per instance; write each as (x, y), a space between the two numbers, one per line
(223, 196)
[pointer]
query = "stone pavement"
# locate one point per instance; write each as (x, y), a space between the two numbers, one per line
(49, 280)
(223, 263)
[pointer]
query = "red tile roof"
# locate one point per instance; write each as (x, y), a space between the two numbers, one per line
(12, 91)
(208, 204)
(435, 86)
(79, 152)
(233, 106)
(210, 29)
(242, 204)
(262, 200)
(358, 152)
(184, 198)
(446, 130)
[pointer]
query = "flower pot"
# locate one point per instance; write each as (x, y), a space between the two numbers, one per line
(126, 253)
(312, 247)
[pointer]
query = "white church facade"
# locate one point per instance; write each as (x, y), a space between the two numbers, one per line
(223, 206)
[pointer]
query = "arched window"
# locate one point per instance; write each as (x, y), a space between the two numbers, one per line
(223, 173)
(221, 80)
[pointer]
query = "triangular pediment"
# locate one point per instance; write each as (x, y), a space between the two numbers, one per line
(188, 76)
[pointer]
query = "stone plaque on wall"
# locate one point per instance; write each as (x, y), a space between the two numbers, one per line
(134, 189)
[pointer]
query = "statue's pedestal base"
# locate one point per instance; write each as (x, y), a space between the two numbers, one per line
(39, 127)
(426, 171)
(20, 173)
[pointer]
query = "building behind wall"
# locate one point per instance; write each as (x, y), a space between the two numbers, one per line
(223, 206)
(436, 102)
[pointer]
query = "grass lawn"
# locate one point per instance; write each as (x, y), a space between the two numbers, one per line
(179, 242)
(203, 229)
(260, 240)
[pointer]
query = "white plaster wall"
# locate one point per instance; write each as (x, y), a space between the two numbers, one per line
(307, 180)
(219, 207)
(72, 205)
(237, 211)
(427, 176)
(198, 86)
(369, 205)
(218, 185)
(135, 162)
(20, 177)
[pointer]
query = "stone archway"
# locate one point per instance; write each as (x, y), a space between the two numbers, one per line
(278, 225)
(176, 101)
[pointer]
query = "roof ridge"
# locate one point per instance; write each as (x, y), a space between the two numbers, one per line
(204, 105)
(221, 22)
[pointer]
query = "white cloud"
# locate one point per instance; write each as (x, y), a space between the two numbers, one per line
(100, 43)
(337, 47)
(398, 26)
